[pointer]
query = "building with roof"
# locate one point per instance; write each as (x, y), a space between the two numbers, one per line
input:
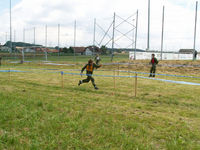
(90, 50)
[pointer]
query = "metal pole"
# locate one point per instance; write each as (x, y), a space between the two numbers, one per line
(24, 35)
(23, 45)
(34, 35)
(113, 37)
(74, 38)
(133, 35)
(10, 29)
(163, 19)
(194, 46)
(14, 38)
(14, 35)
(34, 39)
(94, 35)
(148, 25)
(6, 37)
(46, 42)
(58, 39)
(136, 35)
(135, 84)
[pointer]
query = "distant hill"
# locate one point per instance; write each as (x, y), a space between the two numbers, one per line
(20, 44)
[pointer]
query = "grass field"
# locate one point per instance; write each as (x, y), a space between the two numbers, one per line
(37, 113)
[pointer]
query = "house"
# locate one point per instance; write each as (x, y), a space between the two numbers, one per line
(92, 50)
(52, 50)
(25, 49)
(36, 49)
(79, 50)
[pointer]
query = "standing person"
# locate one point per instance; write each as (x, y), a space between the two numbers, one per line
(195, 55)
(97, 59)
(89, 70)
(153, 62)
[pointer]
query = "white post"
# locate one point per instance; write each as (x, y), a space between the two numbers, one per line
(148, 37)
(133, 35)
(46, 42)
(163, 17)
(34, 39)
(136, 36)
(6, 37)
(74, 38)
(34, 35)
(24, 34)
(58, 39)
(10, 29)
(94, 35)
(14, 35)
(113, 37)
(194, 45)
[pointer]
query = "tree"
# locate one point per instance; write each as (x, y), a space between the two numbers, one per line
(65, 50)
(104, 49)
(70, 50)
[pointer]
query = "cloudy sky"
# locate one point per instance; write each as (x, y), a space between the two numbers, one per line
(30, 14)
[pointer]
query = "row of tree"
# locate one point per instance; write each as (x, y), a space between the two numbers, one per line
(104, 50)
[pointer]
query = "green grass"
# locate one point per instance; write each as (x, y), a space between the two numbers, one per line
(37, 113)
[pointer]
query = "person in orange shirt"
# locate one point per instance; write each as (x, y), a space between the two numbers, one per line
(89, 71)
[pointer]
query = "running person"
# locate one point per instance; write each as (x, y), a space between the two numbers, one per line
(89, 70)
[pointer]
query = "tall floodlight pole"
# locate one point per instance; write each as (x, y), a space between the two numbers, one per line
(136, 35)
(34, 35)
(148, 25)
(46, 42)
(74, 38)
(14, 39)
(113, 37)
(94, 35)
(58, 39)
(6, 37)
(14, 36)
(163, 19)
(194, 46)
(24, 35)
(34, 39)
(23, 44)
(22, 61)
(10, 29)
(133, 35)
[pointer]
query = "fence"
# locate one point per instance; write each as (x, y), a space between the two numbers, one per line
(111, 75)
(165, 56)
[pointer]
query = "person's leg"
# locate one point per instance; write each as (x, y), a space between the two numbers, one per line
(84, 80)
(151, 70)
(154, 71)
(93, 83)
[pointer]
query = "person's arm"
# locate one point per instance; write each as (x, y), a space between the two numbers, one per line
(83, 68)
(96, 66)
(156, 60)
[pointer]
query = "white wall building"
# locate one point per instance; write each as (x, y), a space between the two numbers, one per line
(165, 56)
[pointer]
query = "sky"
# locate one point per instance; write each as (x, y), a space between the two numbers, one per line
(45, 15)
